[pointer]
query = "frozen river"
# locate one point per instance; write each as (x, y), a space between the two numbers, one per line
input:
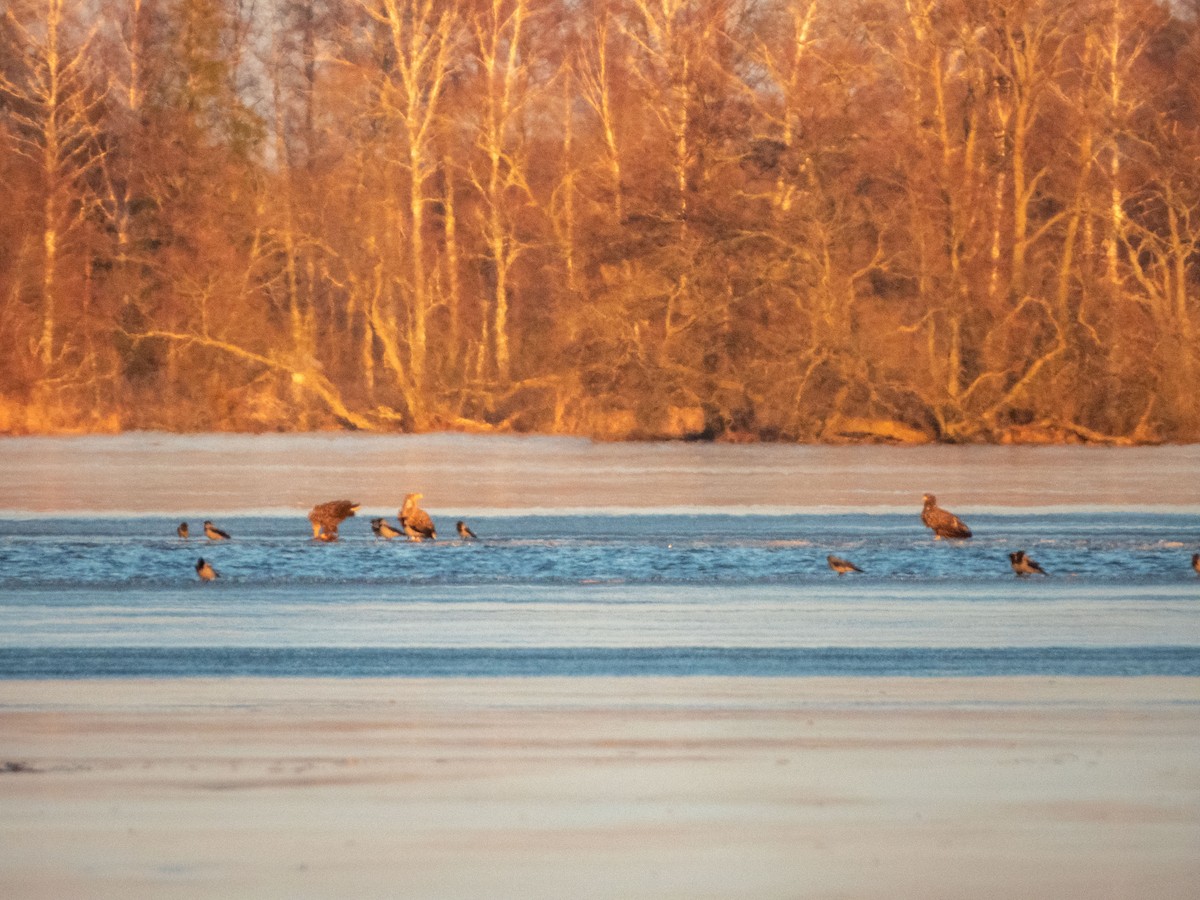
(593, 559)
(330, 720)
(190, 475)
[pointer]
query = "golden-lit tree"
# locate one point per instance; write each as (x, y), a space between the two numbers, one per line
(52, 118)
(500, 36)
(781, 219)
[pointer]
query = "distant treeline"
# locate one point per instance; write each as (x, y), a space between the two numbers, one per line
(802, 220)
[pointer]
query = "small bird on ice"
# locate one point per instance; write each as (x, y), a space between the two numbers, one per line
(841, 566)
(464, 531)
(206, 571)
(383, 529)
(213, 533)
(1024, 565)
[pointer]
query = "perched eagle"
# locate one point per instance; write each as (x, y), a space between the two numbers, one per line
(326, 517)
(182, 530)
(205, 571)
(841, 566)
(464, 531)
(1023, 565)
(383, 529)
(415, 521)
(945, 524)
(213, 533)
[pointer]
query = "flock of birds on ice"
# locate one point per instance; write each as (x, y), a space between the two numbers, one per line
(416, 525)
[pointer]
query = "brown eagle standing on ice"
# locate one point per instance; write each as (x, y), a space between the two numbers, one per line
(944, 523)
(326, 517)
(415, 521)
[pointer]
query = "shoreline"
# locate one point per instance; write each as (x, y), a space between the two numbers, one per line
(613, 787)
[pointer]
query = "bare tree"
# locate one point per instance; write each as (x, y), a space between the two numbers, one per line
(422, 34)
(53, 110)
(500, 36)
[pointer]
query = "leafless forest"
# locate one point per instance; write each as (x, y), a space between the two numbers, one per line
(802, 220)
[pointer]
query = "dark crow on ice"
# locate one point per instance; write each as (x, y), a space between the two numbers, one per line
(841, 566)
(213, 533)
(1023, 565)
(464, 531)
(383, 529)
